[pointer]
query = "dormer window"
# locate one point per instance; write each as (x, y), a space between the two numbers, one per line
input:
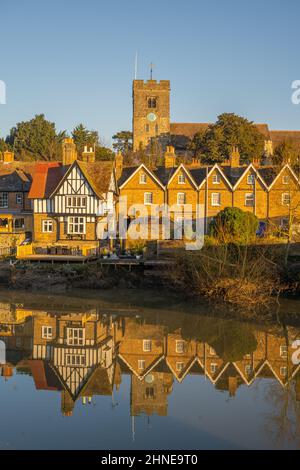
(216, 179)
(181, 179)
(143, 178)
(152, 103)
(250, 180)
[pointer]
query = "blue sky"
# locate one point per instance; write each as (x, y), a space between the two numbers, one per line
(74, 60)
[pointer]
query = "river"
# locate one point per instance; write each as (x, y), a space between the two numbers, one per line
(143, 370)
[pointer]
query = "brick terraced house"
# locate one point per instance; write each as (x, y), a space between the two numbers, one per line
(272, 194)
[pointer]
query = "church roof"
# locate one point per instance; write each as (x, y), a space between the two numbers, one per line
(278, 137)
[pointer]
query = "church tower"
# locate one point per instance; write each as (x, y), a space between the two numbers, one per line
(151, 111)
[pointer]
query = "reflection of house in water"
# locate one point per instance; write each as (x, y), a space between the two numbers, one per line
(85, 355)
(78, 351)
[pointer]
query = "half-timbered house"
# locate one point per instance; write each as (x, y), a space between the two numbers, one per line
(71, 204)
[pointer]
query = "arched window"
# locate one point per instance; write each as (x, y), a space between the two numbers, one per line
(152, 102)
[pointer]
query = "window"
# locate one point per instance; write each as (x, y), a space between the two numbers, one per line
(249, 200)
(285, 179)
(181, 198)
(213, 368)
(250, 179)
(3, 223)
(76, 202)
(284, 223)
(283, 352)
(47, 332)
(4, 200)
(180, 347)
(76, 225)
(216, 179)
(156, 128)
(181, 179)
(141, 364)
(149, 393)
(75, 360)
(152, 103)
(148, 198)
(286, 199)
(216, 199)
(75, 336)
(147, 345)
(147, 127)
(248, 370)
(19, 223)
(47, 226)
(179, 366)
(283, 371)
(19, 198)
(143, 178)
(212, 352)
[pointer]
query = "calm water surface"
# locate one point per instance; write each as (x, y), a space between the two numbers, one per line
(141, 371)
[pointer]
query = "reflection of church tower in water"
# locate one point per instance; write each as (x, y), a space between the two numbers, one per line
(150, 395)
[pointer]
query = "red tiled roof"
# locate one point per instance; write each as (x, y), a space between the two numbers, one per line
(45, 179)
(44, 378)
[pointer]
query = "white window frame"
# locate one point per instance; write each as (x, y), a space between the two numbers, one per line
(181, 179)
(249, 197)
(283, 371)
(75, 360)
(213, 368)
(3, 200)
(250, 180)
(141, 364)
(19, 198)
(179, 195)
(74, 224)
(47, 332)
(76, 202)
(47, 226)
(283, 199)
(147, 345)
(284, 351)
(146, 203)
(248, 370)
(179, 366)
(285, 179)
(180, 346)
(143, 178)
(212, 352)
(216, 178)
(213, 202)
(74, 338)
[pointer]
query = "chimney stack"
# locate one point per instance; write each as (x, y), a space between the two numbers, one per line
(170, 157)
(232, 386)
(88, 154)
(119, 163)
(69, 152)
(235, 157)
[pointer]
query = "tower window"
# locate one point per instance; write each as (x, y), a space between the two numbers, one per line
(152, 103)
(147, 127)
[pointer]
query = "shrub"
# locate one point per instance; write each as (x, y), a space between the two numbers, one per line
(233, 224)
